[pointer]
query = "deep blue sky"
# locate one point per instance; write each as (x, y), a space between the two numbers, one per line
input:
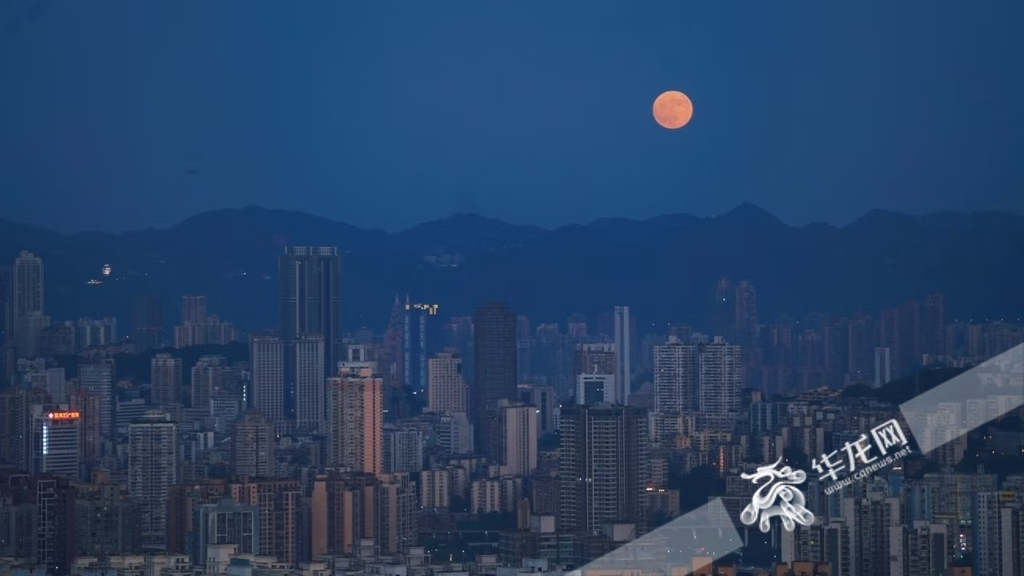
(121, 114)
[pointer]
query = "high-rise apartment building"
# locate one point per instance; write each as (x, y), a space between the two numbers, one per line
(396, 525)
(518, 425)
(193, 309)
(267, 357)
(720, 377)
(355, 420)
(623, 350)
(675, 377)
(152, 470)
(446, 388)
(496, 378)
(310, 299)
(254, 447)
(226, 522)
(210, 375)
(310, 398)
(165, 381)
(26, 318)
(604, 467)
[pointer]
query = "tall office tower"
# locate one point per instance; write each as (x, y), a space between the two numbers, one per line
(604, 467)
(226, 522)
(310, 406)
(720, 377)
(675, 377)
(623, 346)
(148, 322)
(54, 441)
(267, 356)
(918, 549)
(193, 309)
(355, 420)
(396, 526)
(446, 389)
(518, 425)
(254, 447)
(310, 293)
(98, 379)
(152, 470)
(210, 375)
(165, 381)
(494, 350)
(27, 318)
(723, 309)
(415, 335)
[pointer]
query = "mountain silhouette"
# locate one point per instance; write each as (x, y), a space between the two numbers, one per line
(665, 268)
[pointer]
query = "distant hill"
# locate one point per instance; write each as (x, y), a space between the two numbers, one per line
(664, 268)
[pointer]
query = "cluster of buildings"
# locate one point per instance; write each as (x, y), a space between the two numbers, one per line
(474, 445)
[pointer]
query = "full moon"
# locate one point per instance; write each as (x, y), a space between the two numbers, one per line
(672, 110)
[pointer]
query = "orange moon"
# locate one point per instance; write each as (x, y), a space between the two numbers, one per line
(672, 110)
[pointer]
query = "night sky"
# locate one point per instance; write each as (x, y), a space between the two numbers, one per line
(123, 114)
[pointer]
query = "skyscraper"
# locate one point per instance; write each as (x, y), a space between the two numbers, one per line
(604, 467)
(98, 379)
(310, 298)
(675, 377)
(721, 378)
(26, 305)
(148, 321)
(152, 470)
(495, 370)
(310, 405)
(165, 381)
(623, 345)
(355, 420)
(415, 332)
(446, 389)
(193, 309)
(267, 354)
(519, 426)
(253, 447)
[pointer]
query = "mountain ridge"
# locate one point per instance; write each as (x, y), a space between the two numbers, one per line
(665, 267)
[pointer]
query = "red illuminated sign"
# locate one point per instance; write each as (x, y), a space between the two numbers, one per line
(63, 415)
